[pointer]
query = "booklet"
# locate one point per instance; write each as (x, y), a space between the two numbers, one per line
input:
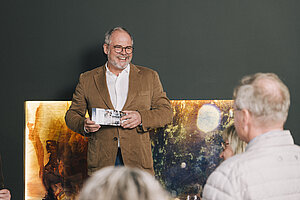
(107, 117)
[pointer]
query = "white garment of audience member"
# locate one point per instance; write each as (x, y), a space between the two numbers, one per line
(270, 166)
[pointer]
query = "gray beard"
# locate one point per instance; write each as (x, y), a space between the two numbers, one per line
(119, 66)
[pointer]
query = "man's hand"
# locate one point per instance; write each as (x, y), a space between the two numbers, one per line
(132, 119)
(90, 126)
(4, 194)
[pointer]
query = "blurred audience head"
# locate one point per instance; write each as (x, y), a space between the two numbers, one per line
(232, 143)
(122, 183)
(261, 104)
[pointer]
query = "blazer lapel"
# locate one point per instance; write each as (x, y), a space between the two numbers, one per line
(100, 81)
(134, 85)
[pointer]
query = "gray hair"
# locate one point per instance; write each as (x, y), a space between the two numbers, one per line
(265, 96)
(237, 145)
(110, 32)
(122, 183)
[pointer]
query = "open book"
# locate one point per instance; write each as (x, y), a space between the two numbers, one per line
(107, 117)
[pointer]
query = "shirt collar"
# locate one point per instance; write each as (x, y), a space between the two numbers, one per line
(269, 134)
(126, 69)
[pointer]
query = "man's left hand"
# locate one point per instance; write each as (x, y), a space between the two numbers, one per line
(132, 119)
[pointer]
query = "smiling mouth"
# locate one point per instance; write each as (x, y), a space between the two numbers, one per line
(122, 58)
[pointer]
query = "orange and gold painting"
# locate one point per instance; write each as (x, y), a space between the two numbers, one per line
(55, 156)
(184, 152)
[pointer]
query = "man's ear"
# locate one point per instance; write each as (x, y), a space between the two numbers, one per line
(246, 116)
(105, 48)
(246, 121)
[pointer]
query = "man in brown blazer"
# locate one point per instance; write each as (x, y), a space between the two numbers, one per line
(119, 85)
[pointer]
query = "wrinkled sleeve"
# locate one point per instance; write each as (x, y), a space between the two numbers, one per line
(75, 116)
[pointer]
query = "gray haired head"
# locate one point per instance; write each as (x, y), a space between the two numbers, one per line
(265, 96)
(110, 32)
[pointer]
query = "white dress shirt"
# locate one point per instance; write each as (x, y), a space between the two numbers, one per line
(118, 87)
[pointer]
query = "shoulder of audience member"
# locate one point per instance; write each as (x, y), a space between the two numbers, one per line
(232, 164)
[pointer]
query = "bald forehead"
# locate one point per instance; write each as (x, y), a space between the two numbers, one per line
(268, 85)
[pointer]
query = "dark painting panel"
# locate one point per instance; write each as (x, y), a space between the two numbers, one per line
(187, 151)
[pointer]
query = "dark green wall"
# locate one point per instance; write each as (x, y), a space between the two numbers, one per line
(201, 48)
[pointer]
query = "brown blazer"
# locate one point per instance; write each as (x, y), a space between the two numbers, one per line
(145, 95)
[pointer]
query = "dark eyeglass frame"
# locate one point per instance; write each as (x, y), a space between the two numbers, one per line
(224, 145)
(119, 49)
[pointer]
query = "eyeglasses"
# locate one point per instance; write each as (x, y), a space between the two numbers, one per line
(119, 49)
(224, 145)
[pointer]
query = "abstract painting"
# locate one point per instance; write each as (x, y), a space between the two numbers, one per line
(185, 152)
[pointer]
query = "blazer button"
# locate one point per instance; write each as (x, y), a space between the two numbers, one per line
(115, 138)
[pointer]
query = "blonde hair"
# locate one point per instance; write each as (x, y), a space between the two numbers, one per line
(122, 183)
(237, 145)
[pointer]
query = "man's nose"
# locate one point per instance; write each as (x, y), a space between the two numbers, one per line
(222, 154)
(123, 51)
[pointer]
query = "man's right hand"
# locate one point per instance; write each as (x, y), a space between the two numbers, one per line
(90, 126)
(4, 194)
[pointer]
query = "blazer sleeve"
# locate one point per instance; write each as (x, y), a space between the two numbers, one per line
(161, 112)
(75, 116)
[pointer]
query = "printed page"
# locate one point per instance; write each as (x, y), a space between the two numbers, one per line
(107, 117)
